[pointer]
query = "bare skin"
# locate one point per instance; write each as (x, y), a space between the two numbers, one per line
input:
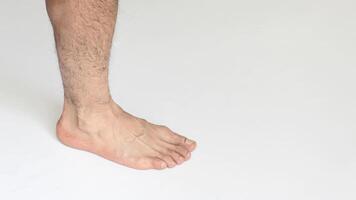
(91, 120)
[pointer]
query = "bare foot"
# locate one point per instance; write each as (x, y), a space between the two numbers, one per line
(116, 135)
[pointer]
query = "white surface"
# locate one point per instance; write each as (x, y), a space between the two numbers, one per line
(267, 88)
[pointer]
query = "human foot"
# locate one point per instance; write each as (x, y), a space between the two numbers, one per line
(110, 132)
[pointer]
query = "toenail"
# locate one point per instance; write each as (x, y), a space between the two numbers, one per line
(187, 141)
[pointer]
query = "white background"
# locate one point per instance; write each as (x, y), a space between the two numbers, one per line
(267, 88)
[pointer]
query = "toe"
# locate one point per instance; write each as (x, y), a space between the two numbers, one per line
(190, 144)
(150, 163)
(169, 161)
(181, 150)
(177, 158)
(177, 139)
(158, 164)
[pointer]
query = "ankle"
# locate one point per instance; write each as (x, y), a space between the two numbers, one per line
(80, 115)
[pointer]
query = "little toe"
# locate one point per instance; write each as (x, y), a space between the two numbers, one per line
(151, 163)
(159, 164)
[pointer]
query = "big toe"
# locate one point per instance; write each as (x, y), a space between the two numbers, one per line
(177, 139)
(190, 144)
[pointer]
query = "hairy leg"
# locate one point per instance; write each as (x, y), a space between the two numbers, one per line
(91, 120)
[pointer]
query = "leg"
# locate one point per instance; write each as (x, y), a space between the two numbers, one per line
(91, 120)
